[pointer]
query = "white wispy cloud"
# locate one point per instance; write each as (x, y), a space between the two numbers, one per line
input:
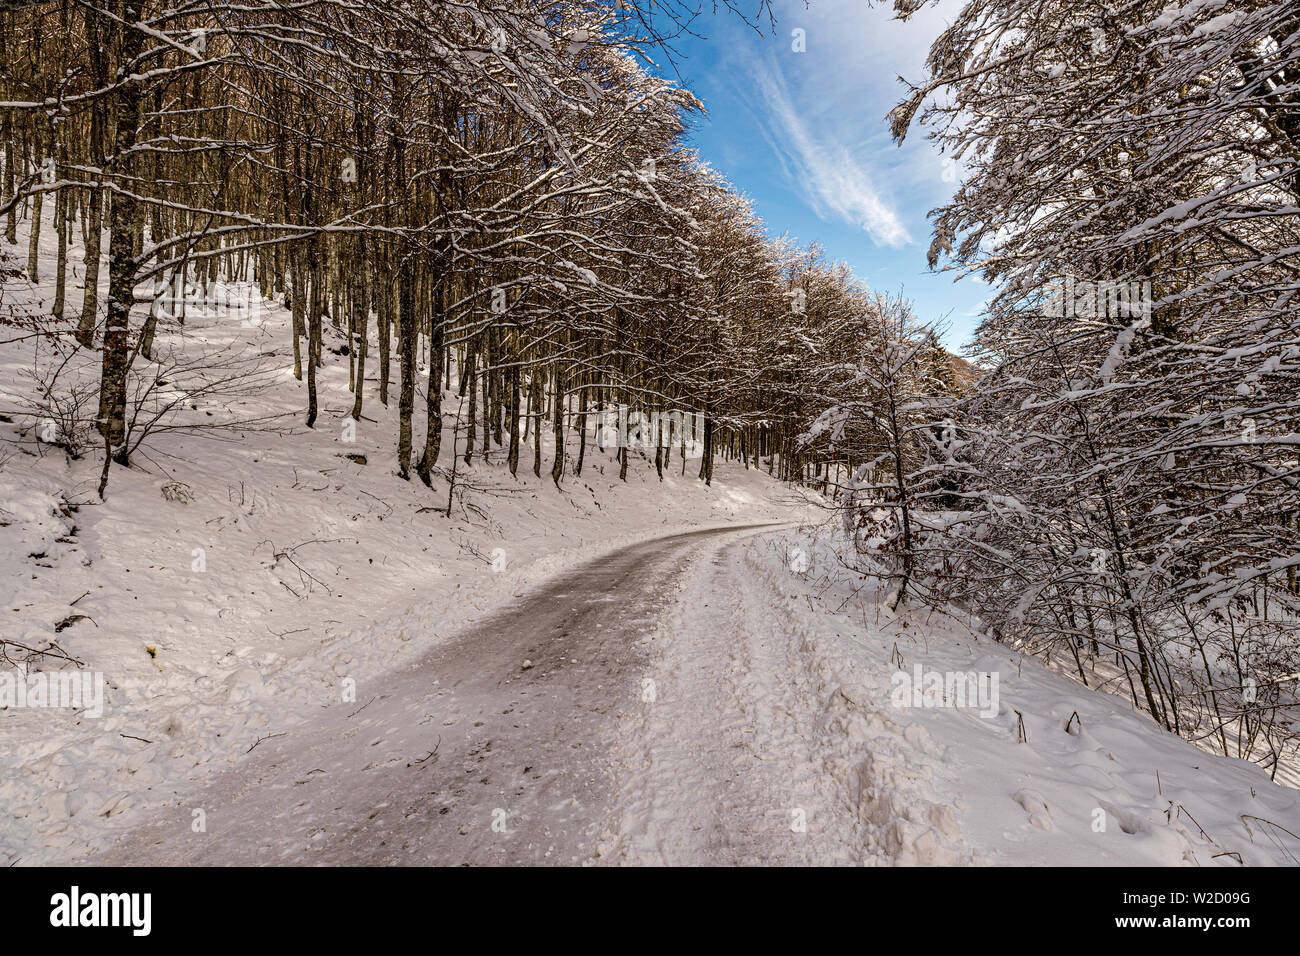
(822, 111)
(833, 180)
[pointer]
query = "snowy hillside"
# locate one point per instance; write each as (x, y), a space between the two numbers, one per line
(232, 581)
(824, 718)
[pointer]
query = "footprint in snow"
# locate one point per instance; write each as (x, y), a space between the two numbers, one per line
(1032, 802)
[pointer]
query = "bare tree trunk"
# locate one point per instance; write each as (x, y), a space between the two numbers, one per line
(433, 397)
(299, 305)
(314, 340)
(706, 460)
(363, 339)
(536, 404)
(61, 213)
(467, 381)
(407, 331)
(485, 377)
(659, 446)
(121, 261)
(582, 430)
(498, 388)
(11, 184)
(557, 469)
(34, 240)
(514, 418)
(385, 311)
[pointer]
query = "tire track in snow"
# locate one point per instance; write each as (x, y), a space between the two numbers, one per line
(725, 767)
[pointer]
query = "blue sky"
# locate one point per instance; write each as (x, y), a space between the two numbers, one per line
(803, 134)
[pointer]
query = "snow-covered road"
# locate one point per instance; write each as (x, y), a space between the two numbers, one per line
(719, 697)
(497, 748)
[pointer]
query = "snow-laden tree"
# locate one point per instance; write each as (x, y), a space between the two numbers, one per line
(1130, 186)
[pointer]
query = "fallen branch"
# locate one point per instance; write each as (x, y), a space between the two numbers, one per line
(260, 739)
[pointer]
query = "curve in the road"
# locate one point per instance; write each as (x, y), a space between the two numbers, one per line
(469, 757)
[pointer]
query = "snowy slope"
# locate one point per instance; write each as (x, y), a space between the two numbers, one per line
(276, 576)
(778, 705)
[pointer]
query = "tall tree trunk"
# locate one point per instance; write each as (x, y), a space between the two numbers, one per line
(314, 339)
(34, 240)
(557, 469)
(433, 397)
(485, 377)
(363, 338)
(498, 392)
(706, 459)
(61, 212)
(467, 379)
(122, 265)
(659, 446)
(385, 310)
(535, 403)
(298, 278)
(11, 183)
(582, 430)
(514, 415)
(407, 332)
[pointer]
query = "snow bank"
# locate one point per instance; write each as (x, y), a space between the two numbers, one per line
(1057, 774)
